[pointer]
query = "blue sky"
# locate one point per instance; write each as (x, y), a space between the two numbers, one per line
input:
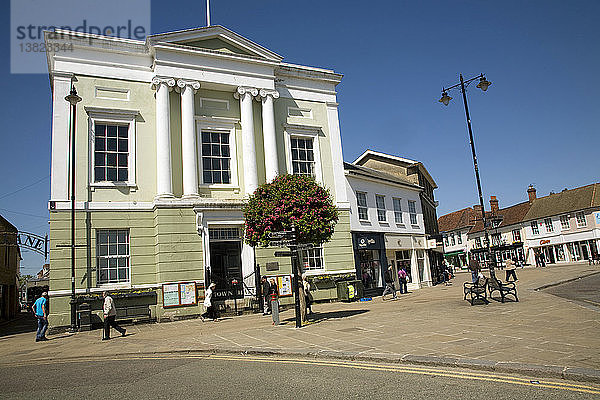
(537, 123)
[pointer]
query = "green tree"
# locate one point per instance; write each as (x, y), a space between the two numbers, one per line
(290, 200)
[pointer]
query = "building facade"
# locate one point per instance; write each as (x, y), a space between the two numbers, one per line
(564, 227)
(416, 173)
(387, 225)
(454, 228)
(10, 259)
(558, 228)
(173, 134)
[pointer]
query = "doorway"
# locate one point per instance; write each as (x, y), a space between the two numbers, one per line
(225, 268)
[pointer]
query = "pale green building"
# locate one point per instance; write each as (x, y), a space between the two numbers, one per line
(172, 135)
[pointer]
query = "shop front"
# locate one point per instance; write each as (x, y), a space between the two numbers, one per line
(408, 252)
(568, 248)
(458, 259)
(370, 261)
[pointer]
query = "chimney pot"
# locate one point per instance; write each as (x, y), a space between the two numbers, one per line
(531, 193)
(494, 204)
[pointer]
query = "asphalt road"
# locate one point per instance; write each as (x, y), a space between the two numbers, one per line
(585, 291)
(252, 377)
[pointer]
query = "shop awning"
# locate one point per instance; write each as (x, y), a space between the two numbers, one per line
(454, 253)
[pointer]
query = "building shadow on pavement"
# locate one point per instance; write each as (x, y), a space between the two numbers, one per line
(317, 317)
(24, 323)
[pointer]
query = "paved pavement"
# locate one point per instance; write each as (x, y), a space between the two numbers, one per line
(429, 326)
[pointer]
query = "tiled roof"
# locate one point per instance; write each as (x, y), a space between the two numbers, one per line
(376, 174)
(457, 220)
(510, 216)
(566, 201)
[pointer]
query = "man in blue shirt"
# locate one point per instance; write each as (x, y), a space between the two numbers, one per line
(40, 309)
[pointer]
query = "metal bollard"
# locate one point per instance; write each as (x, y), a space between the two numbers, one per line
(275, 310)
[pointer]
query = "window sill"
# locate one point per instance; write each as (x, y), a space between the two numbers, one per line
(384, 223)
(415, 226)
(112, 185)
(400, 225)
(219, 186)
(114, 286)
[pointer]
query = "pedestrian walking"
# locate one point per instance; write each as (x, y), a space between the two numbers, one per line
(474, 268)
(209, 304)
(403, 278)
(265, 288)
(40, 310)
(110, 314)
(274, 295)
(307, 294)
(389, 283)
(511, 267)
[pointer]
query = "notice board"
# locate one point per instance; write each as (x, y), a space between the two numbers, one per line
(179, 294)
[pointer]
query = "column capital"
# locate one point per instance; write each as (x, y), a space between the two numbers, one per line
(242, 90)
(158, 80)
(182, 83)
(264, 93)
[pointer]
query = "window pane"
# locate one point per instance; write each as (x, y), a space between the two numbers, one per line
(206, 150)
(102, 276)
(205, 163)
(226, 179)
(216, 176)
(207, 177)
(225, 138)
(111, 131)
(111, 159)
(205, 137)
(100, 130)
(123, 131)
(99, 174)
(111, 174)
(99, 159)
(122, 176)
(122, 274)
(112, 275)
(99, 144)
(225, 151)
(123, 145)
(122, 159)
(216, 150)
(216, 164)
(111, 144)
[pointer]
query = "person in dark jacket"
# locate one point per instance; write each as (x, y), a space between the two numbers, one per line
(266, 290)
(388, 276)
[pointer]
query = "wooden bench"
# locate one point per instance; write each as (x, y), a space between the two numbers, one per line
(504, 288)
(476, 290)
(134, 313)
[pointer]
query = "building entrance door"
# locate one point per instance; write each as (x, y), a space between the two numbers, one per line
(225, 267)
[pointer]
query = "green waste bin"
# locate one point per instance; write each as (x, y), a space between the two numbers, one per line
(349, 290)
(85, 317)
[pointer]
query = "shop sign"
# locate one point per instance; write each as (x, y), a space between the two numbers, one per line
(368, 241)
(597, 216)
(544, 241)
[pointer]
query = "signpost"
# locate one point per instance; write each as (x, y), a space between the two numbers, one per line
(289, 239)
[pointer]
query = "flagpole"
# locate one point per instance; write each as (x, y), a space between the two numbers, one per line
(207, 12)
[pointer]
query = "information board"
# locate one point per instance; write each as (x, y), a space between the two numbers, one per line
(170, 295)
(284, 284)
(187, 293)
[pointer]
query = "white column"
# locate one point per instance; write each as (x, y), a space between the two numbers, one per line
(164, 180)
(269, 140)
(341, 197)
(59, 167)
(245, 94)
(188, 137)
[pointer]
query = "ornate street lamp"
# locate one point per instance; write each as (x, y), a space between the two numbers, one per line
(483, 85)
(73, 99)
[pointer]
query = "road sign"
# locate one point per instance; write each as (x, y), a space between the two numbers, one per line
(281, 243)
(284, 253)
(282, 235)
(306, 246)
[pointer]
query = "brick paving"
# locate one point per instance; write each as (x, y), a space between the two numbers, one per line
(432, 322)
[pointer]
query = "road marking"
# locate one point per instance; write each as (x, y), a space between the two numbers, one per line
(591, 302)
(480, 376)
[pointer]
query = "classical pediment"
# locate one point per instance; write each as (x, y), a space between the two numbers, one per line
(216, 39)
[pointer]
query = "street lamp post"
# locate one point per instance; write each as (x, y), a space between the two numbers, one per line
(73, 99)
(483, 85)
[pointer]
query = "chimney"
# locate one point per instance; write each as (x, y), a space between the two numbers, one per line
(477, 210)
(494, 204)
(531, 193)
